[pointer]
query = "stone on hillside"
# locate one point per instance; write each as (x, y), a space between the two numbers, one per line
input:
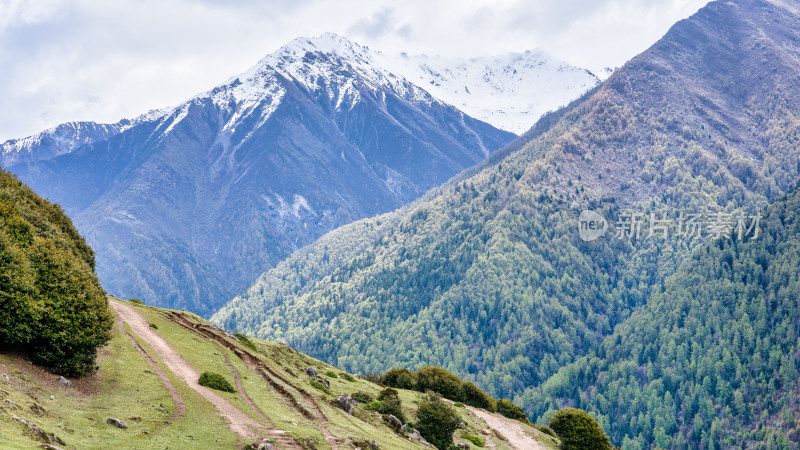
(394, 422)
(346, 403)
(116, 422)
(325, 382)
(65, 382)
(10, 403)
(416, 436)
(51, 447)
(312, 372)
(46, 437)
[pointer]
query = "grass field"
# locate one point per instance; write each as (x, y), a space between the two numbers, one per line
(273, 390)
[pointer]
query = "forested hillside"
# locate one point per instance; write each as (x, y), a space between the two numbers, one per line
(52, 308)
(712, 360)
(487, 276)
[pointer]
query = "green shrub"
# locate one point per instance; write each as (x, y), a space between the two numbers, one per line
(246, 341)
(215, 381)
(331, 374)
(321, 387)
(436, 421)
(546, 430)
(458, 405)
(374, 406)
(52, 307)
(399, 378)
(472, 395)
(439, 380)
(388, 393)
(347, 376)
(153, 326)
(136, 300)
(512, 411)
(372, 377)
(363, 397)
(578, 430)
(391, 404)
(472, 438)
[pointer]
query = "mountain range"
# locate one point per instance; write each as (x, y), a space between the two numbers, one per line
(487, 275)
(185, 206)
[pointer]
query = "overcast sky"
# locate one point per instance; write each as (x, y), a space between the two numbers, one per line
(103, 60)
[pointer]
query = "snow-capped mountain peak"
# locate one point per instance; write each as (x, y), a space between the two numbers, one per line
(510, 91)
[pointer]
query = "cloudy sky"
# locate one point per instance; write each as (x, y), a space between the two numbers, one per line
(102, 60)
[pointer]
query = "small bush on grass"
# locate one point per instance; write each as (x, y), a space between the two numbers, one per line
(399, 378)
(578, 430)
(436, 421)
(246, 341)
(439, 380)
(153, 326)
(546, 430)
(512, 411)
(375, 405)
(331, 374)
(321, 387)
(347, 376)
(472, 395)
(472, 438)
(136, 300)
(372, 377)
(388, 393)
(215, 381)
(458, 405)
(388, 403)
(363, 397)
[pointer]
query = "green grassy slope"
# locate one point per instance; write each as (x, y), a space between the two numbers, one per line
(272, 389)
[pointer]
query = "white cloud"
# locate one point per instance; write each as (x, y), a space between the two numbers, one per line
(105, 60)
(17, 13)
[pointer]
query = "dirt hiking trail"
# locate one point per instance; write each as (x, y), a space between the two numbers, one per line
(509, 428)
(240, 423)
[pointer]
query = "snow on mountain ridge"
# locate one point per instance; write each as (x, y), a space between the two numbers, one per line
(509, 91)
(58, 140)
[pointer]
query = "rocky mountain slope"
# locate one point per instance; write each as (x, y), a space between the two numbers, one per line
(185, 206)
(488, 275)
(146, 394)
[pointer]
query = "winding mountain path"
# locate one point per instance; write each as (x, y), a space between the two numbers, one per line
(267, 373)
(180, 404)
(240, 423)
(509, 428)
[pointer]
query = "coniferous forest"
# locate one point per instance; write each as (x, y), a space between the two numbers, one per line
(487, 277)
